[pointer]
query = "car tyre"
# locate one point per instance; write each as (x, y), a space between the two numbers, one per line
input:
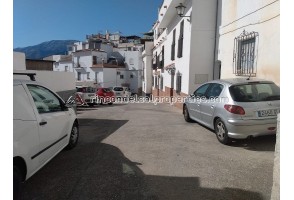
(74, 137)
(221, 132)
(17, 183)
(187, 115)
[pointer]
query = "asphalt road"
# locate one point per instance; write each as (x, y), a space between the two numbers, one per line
(143, 151)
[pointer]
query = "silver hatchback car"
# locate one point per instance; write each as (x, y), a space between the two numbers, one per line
(235, 108)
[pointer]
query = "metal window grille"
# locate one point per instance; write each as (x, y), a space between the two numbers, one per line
(245, 54)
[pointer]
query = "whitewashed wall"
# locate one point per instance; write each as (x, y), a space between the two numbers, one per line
(19, 61)
(265, 21)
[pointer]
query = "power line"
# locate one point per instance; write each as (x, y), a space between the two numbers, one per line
(250, 13)
(250, 25)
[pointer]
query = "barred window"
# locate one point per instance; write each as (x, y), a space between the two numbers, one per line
(245, 54)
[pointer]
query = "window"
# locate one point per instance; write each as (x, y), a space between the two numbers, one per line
(173, 46)
(201, 90)
(255, 92)
(156, 81)
(66, 68)
(245, 53)
(131, 61)
(179, 83)
(214, 91)
(79, 76)
(121, 76)
(152, 81)
(131, 76)
(94, 60)
(181, 40)
(44, 99)
(161, 64)
(88, 75)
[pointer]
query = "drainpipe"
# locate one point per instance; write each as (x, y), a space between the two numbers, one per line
(215, 41)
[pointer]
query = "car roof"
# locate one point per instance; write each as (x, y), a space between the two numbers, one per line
(237, 81)
(21, 81)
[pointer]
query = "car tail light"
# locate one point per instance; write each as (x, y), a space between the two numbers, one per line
(235, 109)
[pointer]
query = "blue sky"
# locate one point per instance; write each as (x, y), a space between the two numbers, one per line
(36, 21)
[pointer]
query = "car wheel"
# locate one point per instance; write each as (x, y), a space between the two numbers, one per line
(74, 136)
(17, 182)
(221, 132)
(186, 115)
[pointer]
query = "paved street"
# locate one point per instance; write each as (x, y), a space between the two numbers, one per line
(143, 151)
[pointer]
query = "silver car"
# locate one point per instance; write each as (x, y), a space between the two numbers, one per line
(235, 108)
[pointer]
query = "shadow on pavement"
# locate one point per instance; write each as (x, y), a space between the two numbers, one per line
(94, 170)
(261, 143)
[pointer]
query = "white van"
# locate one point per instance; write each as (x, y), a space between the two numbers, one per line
(43, 125)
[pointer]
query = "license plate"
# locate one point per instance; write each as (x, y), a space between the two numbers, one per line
(268, 113)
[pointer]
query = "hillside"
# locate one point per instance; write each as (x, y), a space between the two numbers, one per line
(53, 47)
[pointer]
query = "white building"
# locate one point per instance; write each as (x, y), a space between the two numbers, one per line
(97, 63)
(183, 53)
(249, 39)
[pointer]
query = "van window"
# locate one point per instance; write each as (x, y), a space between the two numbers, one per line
(44, 99)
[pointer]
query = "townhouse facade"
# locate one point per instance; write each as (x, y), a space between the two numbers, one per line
(184, 46)
(249, 39)
(213, 39)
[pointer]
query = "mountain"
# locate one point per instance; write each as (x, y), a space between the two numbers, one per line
(53, 47)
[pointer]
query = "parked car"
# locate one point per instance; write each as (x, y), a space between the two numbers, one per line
(43, 125)
(88, 95)
(235, 108)
(105, 95)
(121, 92)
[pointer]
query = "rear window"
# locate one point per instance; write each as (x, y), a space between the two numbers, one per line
(255, 92)
(118, 89)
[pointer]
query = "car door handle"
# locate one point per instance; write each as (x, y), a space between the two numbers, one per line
(42, 123)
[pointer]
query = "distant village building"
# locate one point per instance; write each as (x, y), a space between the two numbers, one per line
(104, 61)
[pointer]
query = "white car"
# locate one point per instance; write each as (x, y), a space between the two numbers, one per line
(43, 125)
(88, 95)
(120, 91)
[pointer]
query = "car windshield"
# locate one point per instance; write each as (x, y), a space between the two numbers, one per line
(86, 90)
(118, 89)
(255, 92)
(106, 90)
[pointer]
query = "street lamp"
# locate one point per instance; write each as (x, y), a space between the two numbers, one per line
(181, 9)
